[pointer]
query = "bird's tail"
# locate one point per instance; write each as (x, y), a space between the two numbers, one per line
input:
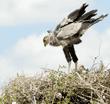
(88, 15)
(94, 21)
(86, 24)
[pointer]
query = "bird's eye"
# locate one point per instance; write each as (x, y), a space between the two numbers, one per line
(43, 40)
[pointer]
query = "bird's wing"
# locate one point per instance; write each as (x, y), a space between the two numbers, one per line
(76, 22)
(69, 30)
(88, 15)
(75, 15)
(77, 41)
(72, 17)
(76, 29)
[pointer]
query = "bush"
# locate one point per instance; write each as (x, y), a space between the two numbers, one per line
(57, 87)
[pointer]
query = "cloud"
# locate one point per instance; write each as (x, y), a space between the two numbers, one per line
(30, 55)
(89, 48)
(20, 12)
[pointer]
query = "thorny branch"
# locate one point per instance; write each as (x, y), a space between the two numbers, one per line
(90, 86)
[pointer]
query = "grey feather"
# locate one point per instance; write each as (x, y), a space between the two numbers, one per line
(88, 15)
(74, 26)
(77, 41)
(75, 15)
(69, 31)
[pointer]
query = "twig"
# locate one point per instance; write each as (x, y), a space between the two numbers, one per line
(96, 56)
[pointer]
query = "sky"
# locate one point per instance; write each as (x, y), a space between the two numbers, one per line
(24, 23)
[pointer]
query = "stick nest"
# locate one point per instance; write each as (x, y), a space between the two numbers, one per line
(92, 86)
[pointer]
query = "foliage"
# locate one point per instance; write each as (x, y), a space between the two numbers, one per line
(59, 88)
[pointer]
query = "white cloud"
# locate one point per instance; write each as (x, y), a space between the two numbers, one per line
(30, 55)
(90, 47)
(7, 68)
(17, 12)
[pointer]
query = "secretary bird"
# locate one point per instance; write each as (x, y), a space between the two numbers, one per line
(68, 32)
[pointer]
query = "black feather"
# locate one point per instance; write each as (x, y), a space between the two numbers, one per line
(75, 15)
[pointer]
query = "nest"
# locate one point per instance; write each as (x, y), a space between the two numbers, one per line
(91, 86)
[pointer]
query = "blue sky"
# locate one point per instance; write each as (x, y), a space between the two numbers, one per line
(23, 24)
(13, 33)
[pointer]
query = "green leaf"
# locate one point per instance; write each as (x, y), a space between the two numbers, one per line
(68, 84)
(73, 69)
(67, 100)
(59, 102)
(61, 84)
(51, 92)
(68, 94)
(76, 82)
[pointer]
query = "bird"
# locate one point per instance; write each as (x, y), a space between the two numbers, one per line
(68, 32)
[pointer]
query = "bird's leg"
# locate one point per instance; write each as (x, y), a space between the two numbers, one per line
(69, 64)
(76, 63)
(76, 70)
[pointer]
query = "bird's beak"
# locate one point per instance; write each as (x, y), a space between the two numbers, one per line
(45, 44)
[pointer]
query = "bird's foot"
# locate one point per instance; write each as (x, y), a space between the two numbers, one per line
(78, 75)
(68, 74)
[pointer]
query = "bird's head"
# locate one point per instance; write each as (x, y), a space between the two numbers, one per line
(46, 38)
